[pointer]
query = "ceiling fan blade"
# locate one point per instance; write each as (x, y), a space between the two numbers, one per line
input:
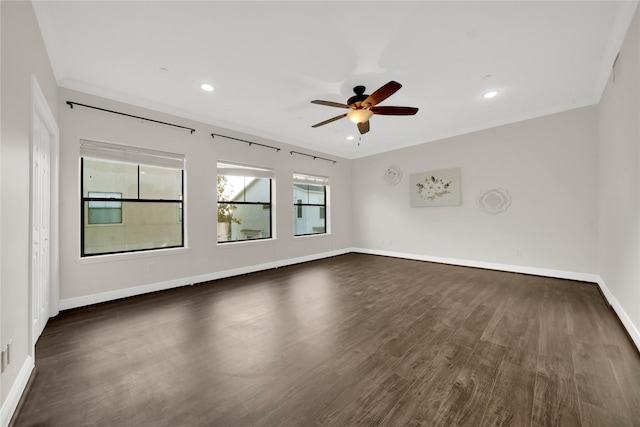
(363, 127)
(381, 94)
(394, 111)
(329, 103)
(330, 120)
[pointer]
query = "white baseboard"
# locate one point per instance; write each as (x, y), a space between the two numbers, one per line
(82, 301)
(70, 303)
(560, 274)
(15, 393)
(622, 315)
(632, 330)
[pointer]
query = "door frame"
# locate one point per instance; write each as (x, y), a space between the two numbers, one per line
(40, 108)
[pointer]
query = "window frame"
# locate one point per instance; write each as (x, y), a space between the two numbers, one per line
(84, 217)
(252, 172)
(311, 180)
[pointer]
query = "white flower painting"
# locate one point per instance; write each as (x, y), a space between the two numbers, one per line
(435, 188)
(431, 187)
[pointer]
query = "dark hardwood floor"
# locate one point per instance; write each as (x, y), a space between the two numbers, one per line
(355, 340)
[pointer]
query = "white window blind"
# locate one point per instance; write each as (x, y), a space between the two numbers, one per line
(237, 169)
(126, 154)
(300, 178)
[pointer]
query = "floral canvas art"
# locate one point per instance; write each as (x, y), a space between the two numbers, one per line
(435, 188)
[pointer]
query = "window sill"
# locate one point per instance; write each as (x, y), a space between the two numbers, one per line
(237, 243)
(312, 236)
(132, 255)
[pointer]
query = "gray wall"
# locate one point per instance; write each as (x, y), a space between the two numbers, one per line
(89, 280)
(547, 165)
(23, 54)
(619, 181)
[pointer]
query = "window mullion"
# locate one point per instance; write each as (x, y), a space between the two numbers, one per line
(82, 206)
(138, 179)
(182, 205)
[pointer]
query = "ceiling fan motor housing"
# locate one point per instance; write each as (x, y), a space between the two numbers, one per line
(359, 96)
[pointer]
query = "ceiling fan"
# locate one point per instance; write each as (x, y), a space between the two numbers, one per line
(364, 106)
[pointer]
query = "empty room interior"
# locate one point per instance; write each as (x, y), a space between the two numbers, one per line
(282, 213)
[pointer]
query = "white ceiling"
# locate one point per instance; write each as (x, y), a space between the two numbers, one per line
(267, 61)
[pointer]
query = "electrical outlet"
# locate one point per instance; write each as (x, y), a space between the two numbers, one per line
(3, 360)
(518, 251)
(9, 352)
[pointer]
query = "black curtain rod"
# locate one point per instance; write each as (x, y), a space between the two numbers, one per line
(213, 135)
(314, 157)
(71, 104)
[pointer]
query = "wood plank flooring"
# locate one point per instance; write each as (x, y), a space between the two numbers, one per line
(354, 340)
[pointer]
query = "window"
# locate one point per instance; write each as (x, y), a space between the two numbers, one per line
(131, 199)
(244, 202)
(310, 204)
(103, 209)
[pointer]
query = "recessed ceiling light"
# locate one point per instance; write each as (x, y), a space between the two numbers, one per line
(350, 138)
(490, 94)
(206, 87)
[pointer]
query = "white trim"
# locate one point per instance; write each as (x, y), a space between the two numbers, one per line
(622, 315)
(70, 303)
(310, 236)
(560, 274)
(248, 242)
(90, 148)
(83, 301)
(15, 393)
(130, 255)
(304, 178)
(40, 107)
(240, 169)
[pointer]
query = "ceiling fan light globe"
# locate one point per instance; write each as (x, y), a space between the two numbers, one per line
(360, 116)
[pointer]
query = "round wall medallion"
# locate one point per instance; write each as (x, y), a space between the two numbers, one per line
(393, 175)
(493, 200)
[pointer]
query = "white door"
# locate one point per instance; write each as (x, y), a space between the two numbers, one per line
(41, 226)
